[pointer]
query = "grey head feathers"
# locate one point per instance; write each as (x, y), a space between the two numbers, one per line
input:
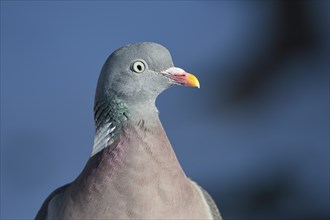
(119, 78)
(128, 86)
(130, 81)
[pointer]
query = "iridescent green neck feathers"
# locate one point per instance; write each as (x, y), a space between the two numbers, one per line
(109, 115)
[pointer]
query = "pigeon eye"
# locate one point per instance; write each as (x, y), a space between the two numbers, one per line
(138, 67)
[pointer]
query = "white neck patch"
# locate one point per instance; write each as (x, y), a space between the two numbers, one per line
(103, 137)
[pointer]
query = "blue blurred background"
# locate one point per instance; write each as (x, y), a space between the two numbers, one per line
(256, 135)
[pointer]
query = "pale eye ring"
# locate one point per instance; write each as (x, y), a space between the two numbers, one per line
(138, 66)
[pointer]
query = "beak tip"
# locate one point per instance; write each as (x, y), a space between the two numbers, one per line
(192, 80)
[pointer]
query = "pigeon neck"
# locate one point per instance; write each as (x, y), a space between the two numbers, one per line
(110, 115)
(145, 111)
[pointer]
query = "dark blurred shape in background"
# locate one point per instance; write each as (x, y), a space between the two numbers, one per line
(256, 135)
(294, 35)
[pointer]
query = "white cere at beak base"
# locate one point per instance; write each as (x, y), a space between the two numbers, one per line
(174, 70)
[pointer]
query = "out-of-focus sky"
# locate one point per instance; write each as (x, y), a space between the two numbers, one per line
(255, 136)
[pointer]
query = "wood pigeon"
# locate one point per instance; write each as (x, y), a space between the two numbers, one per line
(133, 172)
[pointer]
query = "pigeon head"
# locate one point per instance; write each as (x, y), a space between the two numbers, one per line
(138, 73)
(130, 81)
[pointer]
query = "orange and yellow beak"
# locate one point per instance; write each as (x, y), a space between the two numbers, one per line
(181, 77)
